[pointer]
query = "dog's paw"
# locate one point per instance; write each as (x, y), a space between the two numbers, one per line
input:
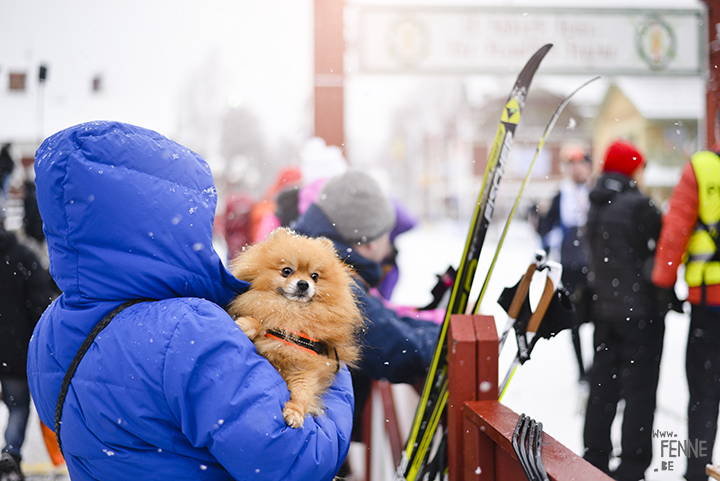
(294, 417)
(250, 326)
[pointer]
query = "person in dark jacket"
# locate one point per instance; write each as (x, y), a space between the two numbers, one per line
(25, 292)
(354, 213)
(32, 222)
(7, 166)
(171, 388)
(623, 226)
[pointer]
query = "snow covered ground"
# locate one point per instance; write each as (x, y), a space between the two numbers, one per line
(545, 388)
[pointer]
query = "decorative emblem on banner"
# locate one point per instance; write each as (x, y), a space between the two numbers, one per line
(409, 41)
(656, 43)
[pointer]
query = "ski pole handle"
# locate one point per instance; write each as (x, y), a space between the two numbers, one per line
(517, 302)
(536, 318)
(542, 306)
(521, 292)
(532, 327)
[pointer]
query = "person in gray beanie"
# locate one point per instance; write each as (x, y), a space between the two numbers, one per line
(361, 214)
(357, 207)
(356, 215)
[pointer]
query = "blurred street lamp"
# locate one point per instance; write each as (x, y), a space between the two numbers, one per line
(42, 78)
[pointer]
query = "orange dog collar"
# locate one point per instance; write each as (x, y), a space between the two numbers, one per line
(303, 342)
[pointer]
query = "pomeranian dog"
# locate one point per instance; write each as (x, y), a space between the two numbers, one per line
(300, 312)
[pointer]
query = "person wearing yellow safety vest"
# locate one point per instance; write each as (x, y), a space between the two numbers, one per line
(690, 235)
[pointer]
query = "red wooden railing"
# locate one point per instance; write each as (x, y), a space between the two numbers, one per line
(392, 428)
(480, 428)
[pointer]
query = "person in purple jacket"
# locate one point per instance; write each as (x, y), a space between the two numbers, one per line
(171, 388)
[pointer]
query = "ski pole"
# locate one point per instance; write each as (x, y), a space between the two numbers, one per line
(526, 345)
(520, 295)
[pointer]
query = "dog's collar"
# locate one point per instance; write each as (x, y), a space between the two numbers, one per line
(307, 343)
(300, 340)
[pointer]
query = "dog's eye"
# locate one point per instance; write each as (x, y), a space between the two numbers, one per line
(286, 272)
(314, 277)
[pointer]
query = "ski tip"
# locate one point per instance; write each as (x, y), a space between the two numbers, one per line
(544, 49)
(532, 64)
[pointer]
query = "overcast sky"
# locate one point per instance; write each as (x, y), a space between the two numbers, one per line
(146, 49)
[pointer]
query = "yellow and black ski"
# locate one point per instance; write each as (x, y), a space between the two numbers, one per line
(546, 132)
(434, 394)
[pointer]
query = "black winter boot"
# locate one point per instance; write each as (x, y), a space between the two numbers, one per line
(10, 468)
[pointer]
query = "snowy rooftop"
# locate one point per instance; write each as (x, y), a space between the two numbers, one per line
(666, 97)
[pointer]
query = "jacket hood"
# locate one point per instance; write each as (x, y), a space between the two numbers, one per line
(314, 223)
(128, 214)
(609, 186)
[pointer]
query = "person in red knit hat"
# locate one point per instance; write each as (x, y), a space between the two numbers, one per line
(622, 226)
(624, 158)
(690, 236)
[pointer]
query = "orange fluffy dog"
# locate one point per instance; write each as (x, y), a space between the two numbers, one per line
(301, 314)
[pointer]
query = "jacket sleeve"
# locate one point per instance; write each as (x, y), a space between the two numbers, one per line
(396, 348)
(550, 219)
(677, 227)
(229, 400)
(649, 223)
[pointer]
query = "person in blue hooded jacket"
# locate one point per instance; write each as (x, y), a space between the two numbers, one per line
(354, 213)
(171, 388)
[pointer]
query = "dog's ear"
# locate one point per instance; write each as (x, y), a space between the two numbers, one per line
(281, 233)
(243, 266)
(327, 243)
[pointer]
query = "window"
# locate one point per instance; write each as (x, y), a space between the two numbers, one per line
(17, 81)
(97, 83)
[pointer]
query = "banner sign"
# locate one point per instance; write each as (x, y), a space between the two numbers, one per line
(477, 40)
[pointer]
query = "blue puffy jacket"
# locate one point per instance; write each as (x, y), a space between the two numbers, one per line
(171, 389)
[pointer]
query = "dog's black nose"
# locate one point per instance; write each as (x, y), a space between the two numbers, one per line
(302, 286)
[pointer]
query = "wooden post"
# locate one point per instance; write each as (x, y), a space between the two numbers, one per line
(462, 362)
(391, 421)
(478, 460)
(486, 334)
(366, 437)
(712, 96)
(472, 375)
(329, 72)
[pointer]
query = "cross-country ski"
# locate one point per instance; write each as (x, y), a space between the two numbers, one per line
(434, 394)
